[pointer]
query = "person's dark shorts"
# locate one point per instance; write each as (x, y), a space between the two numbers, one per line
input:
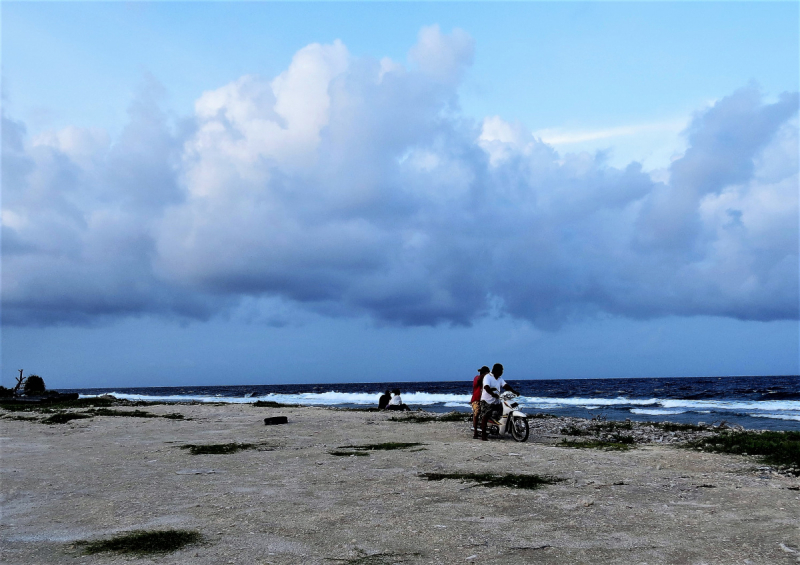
(493, 410)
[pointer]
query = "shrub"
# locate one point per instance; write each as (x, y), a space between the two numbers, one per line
(34, 385)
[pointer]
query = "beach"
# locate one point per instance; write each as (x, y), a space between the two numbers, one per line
(288, 498)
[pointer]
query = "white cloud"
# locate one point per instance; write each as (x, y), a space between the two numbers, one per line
(442, 57)
(350, 186)
(558, 136)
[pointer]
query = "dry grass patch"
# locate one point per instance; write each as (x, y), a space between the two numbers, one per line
(511, 480)
(143, 542)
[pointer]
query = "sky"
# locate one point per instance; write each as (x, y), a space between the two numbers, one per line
(256, 193)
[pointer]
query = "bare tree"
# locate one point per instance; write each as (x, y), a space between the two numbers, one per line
(20, 380)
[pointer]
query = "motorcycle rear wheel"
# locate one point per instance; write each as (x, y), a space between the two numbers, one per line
(520, 429)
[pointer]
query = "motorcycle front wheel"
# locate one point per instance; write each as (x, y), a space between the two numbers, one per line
(520, 429)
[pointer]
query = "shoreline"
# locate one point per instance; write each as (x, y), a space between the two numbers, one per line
(754, 402)
(289, 499)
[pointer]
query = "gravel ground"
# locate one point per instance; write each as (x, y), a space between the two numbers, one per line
(290, 501)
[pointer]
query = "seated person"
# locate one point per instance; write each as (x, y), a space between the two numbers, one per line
(383, 401)
(396, 402)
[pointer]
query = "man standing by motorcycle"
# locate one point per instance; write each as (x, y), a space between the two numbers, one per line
(493, 383)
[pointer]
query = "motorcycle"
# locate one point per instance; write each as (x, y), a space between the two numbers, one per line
(512, 421)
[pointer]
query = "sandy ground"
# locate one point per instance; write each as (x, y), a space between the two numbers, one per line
(294, 502)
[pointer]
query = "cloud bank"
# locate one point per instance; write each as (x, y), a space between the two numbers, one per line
(352, 186)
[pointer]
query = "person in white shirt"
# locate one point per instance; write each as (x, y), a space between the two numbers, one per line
(493, 384)
(396, 402)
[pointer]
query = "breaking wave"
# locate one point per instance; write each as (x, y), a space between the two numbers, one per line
(777, 409)
(793, 417)
(647, 412)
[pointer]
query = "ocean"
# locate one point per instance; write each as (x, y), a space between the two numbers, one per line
(770, 403)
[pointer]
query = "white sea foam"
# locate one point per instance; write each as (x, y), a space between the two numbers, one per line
(584, 402)
(743, 405)
(173, 398)
(781, 409)
(649, 412)
(330, 398)
(795, 417)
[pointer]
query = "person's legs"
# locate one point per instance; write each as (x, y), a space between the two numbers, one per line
(485, 413)
(476, 410)
(488, 411)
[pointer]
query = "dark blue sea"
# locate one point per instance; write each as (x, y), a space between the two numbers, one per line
(771, 403)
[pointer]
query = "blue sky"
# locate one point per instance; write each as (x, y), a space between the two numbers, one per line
(231, 193)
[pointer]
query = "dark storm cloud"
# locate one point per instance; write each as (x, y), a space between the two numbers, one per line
(355, 187)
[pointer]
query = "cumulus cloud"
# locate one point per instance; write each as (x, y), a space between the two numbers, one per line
(351, 186)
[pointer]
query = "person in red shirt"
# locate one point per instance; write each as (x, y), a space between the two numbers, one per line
(477, 387)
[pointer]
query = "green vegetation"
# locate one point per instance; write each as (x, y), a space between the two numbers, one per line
(510, 480)
(25, 407)
(380, 446)
(360, 450)
(611, 426)
(601, 426)
(13, 406)
(377, 558)
(673, 427)
(218, 448)
(34, 385)
(597, 428)
(624, 445)
(129, 413)
(781, 449)
(96, 402)
(132, 414)
(456, 416)
(143, 542)
(272, 404)
(64, 417)
(573, 430)
(414, 418)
